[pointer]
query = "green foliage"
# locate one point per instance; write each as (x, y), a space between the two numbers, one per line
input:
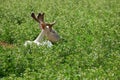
(89, 49)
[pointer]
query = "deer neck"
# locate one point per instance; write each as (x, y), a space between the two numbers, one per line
(40, 36)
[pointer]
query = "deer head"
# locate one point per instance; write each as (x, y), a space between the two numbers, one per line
(46, 27)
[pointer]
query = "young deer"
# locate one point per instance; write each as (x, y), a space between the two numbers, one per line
(46, 31)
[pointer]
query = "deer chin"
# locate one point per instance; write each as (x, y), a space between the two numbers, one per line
(53, 40)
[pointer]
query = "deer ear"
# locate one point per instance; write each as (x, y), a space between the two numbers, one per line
(40, 16)
(34, 17)
(51, 24)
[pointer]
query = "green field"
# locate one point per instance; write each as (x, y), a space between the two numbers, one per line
(89, 48)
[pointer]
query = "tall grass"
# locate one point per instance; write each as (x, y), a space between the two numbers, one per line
(90, 49)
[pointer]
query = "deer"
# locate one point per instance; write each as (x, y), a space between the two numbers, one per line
(46, 31)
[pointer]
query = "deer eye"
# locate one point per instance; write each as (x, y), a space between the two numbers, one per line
(47, 26)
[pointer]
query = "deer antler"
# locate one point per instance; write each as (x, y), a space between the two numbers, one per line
(34, 17)
(40, 17)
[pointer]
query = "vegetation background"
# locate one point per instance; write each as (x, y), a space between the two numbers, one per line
(90, 49)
